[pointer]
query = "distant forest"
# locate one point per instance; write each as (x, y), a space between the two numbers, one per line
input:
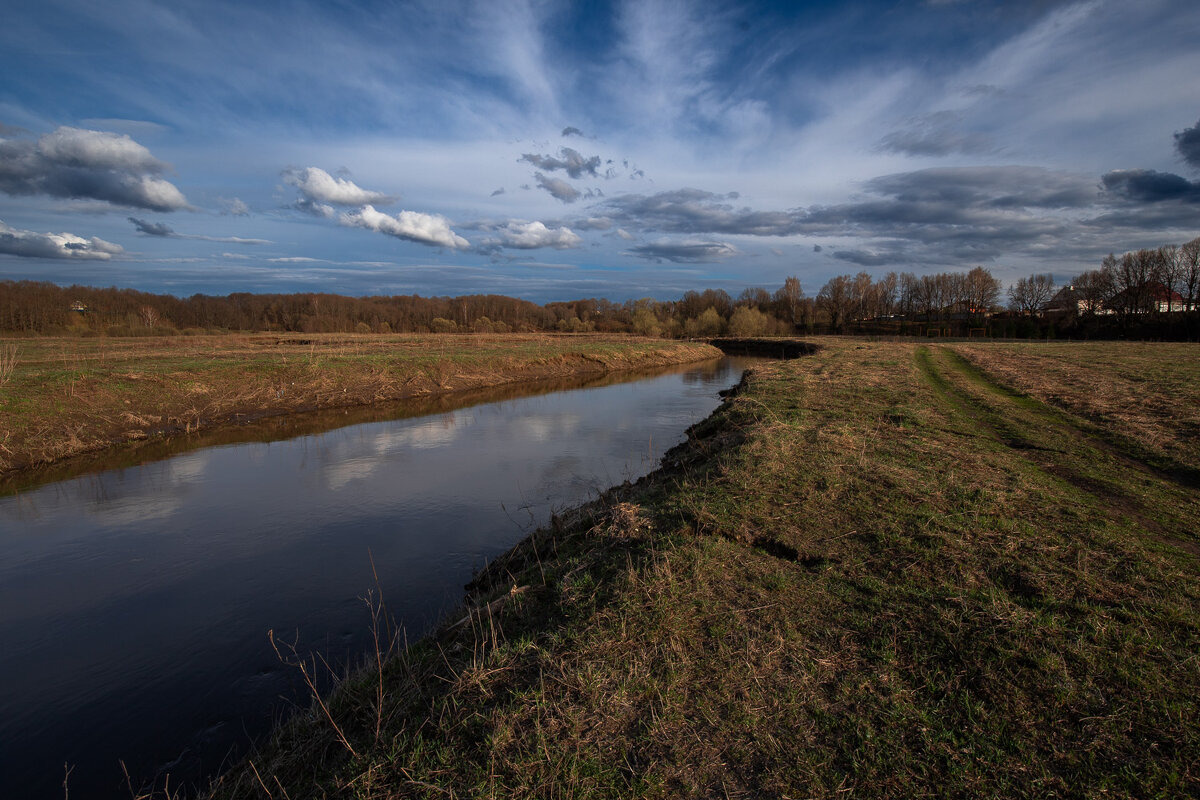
(1146, 294)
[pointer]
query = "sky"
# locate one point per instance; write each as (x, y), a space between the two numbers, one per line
(561, 150)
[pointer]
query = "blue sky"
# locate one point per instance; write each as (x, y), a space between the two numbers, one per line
(562, 150)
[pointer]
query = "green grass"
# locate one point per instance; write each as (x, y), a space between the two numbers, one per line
(876, 572)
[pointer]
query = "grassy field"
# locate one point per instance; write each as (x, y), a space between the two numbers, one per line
(884, 570)
(60, 397)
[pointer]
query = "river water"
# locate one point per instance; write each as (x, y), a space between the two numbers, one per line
(135, 602)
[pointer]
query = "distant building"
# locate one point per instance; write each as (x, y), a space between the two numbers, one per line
(1149, 297)
(1068, 300)
(79, 307)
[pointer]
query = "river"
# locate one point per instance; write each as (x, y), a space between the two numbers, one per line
(135, 602)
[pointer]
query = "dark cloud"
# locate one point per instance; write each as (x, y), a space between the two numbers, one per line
(1187, 142)
(942, 215)
(696, 211)
(151, 228)
(87, 164)
(165, 231)
(1132, 219)
(684, 252)
(498, 192)
(1150, 186)
(559, 189)
(568, 160)
(571, 130)
(31, 244)
(952, 215)
(817, 248)
(935, 134)
(989, 187)
(873, 258)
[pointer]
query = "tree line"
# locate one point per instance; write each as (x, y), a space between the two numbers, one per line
(46, 308)
(38, 307)
(1147, 293)
(899, 303)
(1165, 279)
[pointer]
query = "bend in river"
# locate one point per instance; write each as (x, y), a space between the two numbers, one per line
(134, 603)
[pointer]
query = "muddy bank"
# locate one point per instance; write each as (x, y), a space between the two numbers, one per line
(767, 348)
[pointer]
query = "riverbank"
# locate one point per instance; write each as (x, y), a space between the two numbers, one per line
(878, 570)
(68, 396)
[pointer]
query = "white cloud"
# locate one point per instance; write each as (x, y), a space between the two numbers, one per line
(234, 207)
(87, 164)
(410, 225)
(77, 147)
(318, 186)
(31, 244)
(532, 235)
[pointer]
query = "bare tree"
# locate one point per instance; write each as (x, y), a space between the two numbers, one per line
(788, 299)
(755, 298)
(835, 300)
(1131, 281)
(1029, 295)
(909, 287)
(149, 315)
(929, 296)
(1168, 270)
(982, 291)
(1096, 286)
(886, 290)
(1189, 257)
(862, 303)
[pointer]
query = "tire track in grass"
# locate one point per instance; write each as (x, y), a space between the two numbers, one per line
(1117, 483)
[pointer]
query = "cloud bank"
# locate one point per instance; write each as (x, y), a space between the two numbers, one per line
(87, 164)
(30, 244)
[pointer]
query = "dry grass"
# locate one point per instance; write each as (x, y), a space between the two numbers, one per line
(8, 361)
(876, 572)
(1146, 392)
(70, 396)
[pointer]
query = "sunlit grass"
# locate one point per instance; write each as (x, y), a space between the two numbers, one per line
(878, 571)
(66, 396)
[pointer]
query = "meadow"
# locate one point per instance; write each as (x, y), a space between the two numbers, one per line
(881, 570)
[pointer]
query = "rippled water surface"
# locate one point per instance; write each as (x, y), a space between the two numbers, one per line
(135, 602)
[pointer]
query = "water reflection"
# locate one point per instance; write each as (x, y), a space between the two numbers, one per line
(134, 602)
